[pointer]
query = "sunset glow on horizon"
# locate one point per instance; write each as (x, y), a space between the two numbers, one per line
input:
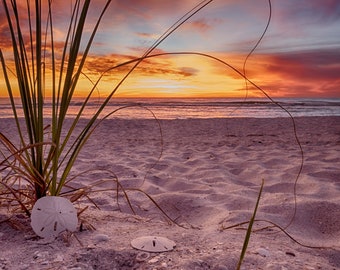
(298, 57)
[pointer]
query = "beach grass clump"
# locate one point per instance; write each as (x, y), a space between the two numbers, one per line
(40, 161)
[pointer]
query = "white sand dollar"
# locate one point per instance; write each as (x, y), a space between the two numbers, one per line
(153, 244)
(51, 215)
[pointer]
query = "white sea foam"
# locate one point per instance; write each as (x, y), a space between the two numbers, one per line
(196, 108)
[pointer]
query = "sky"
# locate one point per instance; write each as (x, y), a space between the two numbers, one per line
(299, 55)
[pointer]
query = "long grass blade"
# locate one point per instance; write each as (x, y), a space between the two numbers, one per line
(249, 230)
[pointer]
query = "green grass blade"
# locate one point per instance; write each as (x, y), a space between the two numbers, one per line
(249, 230)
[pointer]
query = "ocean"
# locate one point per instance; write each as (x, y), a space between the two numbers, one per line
(197, 108)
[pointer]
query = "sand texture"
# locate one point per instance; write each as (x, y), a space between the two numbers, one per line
(205, 174)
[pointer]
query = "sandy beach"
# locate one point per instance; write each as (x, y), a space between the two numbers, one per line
(205, 174)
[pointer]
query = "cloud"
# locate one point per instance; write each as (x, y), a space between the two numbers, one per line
(147, 35)
(313, 10)
(310, 65)
(300, 73)
(201, 25)
(188, 71)
(114, 67)
(304, 73)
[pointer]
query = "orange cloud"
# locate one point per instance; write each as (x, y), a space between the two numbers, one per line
(309, 73)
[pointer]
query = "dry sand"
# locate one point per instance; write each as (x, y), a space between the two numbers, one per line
(207, 179)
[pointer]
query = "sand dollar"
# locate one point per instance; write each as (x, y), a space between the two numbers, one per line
(153, 244)
(51, 215)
